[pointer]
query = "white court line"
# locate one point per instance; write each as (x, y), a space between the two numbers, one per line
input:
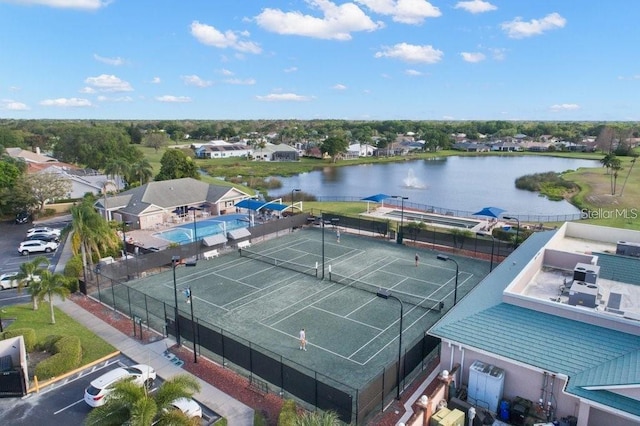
(343, 317)
(68, 406)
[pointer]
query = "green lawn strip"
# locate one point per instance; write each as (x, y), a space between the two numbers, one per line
(93, 347)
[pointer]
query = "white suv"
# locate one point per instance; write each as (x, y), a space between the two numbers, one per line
(143, 375)
(34, 246)
(43, 230)
(9, 280)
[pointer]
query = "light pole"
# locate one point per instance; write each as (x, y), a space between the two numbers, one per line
(386, 294)
(333, 220)
(292, 192)
(174, 263)
(517, 229)
(124, 243)
(493, 242)
(399, 237)
(446, 258)
(193, 327)
(195, 228)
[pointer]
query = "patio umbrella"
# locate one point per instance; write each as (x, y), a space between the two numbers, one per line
(378, 198)
(493, 212)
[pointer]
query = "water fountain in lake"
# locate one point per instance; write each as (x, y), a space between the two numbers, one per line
(411, 181)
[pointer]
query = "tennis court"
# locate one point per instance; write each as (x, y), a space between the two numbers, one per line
(351, 332)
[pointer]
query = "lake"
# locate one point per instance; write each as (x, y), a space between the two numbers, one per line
(454, 184)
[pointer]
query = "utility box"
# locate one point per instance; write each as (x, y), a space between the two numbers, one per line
(454, 417)
(438, 416)
(486, 384)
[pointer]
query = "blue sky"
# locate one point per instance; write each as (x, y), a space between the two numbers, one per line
(315, 59)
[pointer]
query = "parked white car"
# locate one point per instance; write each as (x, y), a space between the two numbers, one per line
(43, 230)
(188, 407)
(9, 280)
(35, 246)
(95, 393)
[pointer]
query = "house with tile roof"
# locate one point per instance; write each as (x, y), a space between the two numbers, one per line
(156, 203)
(560, 318)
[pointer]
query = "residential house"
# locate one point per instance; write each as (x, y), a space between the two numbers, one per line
(273, 152)
(221, 149)
(557, 324)
(360, 150)
(156, 203)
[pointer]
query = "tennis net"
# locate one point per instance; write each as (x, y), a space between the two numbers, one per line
(286, 264)
(412, 299)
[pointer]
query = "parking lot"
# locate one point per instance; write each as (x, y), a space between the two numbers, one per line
(62, 403)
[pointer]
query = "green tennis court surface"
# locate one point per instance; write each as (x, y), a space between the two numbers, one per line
(351, 332)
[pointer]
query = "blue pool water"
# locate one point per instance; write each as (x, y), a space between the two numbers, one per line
(204, 228)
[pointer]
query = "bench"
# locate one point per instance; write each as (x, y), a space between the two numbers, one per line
(210, 254)
(244, 244)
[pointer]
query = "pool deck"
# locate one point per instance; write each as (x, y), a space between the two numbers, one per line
(484, 224)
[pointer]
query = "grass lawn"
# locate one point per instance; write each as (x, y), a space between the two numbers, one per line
(93, 347)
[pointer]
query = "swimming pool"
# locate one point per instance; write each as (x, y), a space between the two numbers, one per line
(435, 219)
(205, 228)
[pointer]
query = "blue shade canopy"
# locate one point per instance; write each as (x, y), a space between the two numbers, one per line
(257, 205)
(494, 212)
(376, 198)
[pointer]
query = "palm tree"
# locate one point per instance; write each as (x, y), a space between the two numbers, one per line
(616, 166)
(131, 404)
(117, 167)
(90, 233)
(52, 284)
(27, 277)
(633, 162)
(318, 418)
(607, 159)
(142, 171)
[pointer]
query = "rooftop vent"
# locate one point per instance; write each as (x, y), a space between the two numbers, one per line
(625, 248)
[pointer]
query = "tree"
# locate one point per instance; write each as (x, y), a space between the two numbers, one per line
(633, 162)
(318, 418)
(51, 284)
(607, 159)
(90, 233)
(141, 171)
(48, 186)
(616, 166)
(27, 277)
(133, 405)
(334, 145)
(175, 165)
(155, 140)
(117, 167)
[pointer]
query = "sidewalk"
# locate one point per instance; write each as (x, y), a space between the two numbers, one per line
(236, 413)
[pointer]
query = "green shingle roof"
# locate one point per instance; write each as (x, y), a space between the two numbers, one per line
(589, 355)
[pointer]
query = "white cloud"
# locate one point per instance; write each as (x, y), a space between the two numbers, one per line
(209, 35)
(241, 82)
(291, 69)
(66, 4)
(66, 102)
(11, 105)
(476, 6)
(411, 53)
(413, 73)
(403, 11)
(109, 61)
(336, 23)
(280, 97)
(108, 83)
(116, 99)
(521, 29)
(194, 80)
(173, 99)
(156, 80)
(88, 90)
(339, 87)
(226, 72)
(498, 53)
(564, 107)
(472, 56)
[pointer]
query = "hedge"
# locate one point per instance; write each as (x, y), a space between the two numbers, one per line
(68, 354)
(288, 413)
(29, 335)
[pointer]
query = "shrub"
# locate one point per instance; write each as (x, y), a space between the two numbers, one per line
(73, 268)
(288, 413)
(68, 354)
(28, 334)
